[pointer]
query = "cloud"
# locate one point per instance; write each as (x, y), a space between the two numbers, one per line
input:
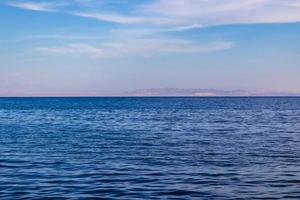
(126, 19)
(176, 13)
(136, 47)
(179, 15)
(143, 28)
(113, 18)
(193, 8)
(59, 37)
(151, 47)
(200, 13)
(183, 28)
(222, 12)
(72, 49)
(162, 16)
(153, 31)
(187, 14)
(44, 6)
(35, 6)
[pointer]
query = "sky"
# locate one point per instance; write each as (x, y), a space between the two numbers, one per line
(110, 47)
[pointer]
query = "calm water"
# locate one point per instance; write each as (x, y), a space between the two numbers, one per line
(150, 148)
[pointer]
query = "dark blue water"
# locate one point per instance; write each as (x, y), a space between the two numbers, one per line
(150, 148)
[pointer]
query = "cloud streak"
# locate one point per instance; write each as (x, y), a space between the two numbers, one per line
(34, 6)
(202, 13)
(136, 47)
(113, 18)
(141, 29)
(222, 12)
(187, 13)
(82, 49)
(126, 19)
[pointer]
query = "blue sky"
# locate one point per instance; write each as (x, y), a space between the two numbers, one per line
(105, 47)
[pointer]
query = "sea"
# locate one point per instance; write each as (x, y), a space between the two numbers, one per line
(150, 148)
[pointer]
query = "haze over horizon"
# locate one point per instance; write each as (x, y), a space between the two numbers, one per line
(119, 47)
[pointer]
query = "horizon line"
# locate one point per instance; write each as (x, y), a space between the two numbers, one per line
(154, 96)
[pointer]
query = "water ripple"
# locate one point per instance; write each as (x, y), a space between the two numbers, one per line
(150, 148)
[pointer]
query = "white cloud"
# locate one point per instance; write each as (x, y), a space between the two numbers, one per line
(113, 18)
(151, 47)
(193, 8)
(35, 6)
(136, 47)
(72, 49)
(172, 14)
(183, 15)
(220, 12)
(141, 32)
(59, 37)
(183, 28)
(155, 19)
(124, 19)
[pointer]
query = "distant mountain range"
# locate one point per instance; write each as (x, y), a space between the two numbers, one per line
(201, 92)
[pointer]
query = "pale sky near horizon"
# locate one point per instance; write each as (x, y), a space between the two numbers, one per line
(102, 47)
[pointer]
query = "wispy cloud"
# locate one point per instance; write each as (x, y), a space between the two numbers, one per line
(220, 12)
(44, 6)
(187, 14)
(128, 19)
(53, 38)
(137, 47)
(84, 49)
(156, 18)
(191, 14)
(151, 47)
(141, 32)
(35, 6)
(113, 18)
(60, 37)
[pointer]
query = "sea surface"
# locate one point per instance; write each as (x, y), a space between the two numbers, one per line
(150, 148)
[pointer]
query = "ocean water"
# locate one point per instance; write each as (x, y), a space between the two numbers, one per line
(150, 148)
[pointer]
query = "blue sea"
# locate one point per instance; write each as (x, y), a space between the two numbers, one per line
(150, 148)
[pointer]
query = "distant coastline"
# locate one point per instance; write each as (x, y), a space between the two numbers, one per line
(163, 92)
(204, 93)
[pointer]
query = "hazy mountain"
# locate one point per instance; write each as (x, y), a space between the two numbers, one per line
(201, 92)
